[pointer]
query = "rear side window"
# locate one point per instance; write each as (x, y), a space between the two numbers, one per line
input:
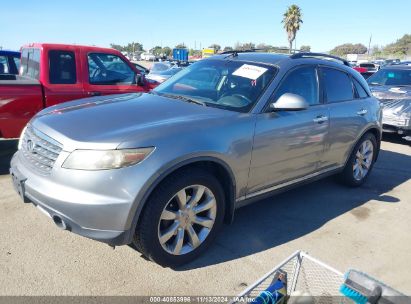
(108, 69)
(4, 67)
(301, 81)
(362, 93)
(337, 85)
(62, 67)
(17, 63)
(30, 63)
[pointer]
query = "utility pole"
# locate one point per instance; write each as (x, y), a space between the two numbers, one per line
(369, 46)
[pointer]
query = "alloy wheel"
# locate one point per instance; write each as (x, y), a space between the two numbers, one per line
(187, 219)
(363, 160)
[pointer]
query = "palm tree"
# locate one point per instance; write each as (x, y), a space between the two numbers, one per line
(292, 20)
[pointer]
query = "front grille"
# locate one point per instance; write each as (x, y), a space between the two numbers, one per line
(39, 150)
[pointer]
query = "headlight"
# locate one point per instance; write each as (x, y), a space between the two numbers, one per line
(105, 159)
(21, 138)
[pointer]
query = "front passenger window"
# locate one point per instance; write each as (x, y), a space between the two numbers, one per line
(301, 81)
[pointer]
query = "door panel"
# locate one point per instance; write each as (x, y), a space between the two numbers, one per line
(347, 120)
(348, 115)
(107, 73)
(287, 145)
(62, 79)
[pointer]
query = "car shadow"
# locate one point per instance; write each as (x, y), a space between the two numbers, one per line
(285, 217)
(395, 139)
(7, 149)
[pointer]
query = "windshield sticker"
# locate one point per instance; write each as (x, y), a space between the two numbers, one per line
(391, 75)
(249, 71)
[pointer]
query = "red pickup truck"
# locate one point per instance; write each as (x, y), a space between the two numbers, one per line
(55, 73)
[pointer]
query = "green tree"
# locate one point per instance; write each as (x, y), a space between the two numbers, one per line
(180, 46)
(216, 47)
(349, 48)
(227, 49)
(157, 50)
(292, 21)
(247, 46)
(116, 47)
(376, 51)
(194, 52)
(400, 48)
(305, 48)
(166, 51)
(130, 47)
(264, 47)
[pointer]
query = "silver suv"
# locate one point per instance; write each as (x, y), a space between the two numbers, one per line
(164, 170)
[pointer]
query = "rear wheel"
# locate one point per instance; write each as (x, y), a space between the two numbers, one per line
(181, 218)
(361, 161)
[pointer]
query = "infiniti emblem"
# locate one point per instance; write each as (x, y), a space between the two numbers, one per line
(30, 145)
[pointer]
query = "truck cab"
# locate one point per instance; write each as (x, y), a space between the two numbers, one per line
(54, 73)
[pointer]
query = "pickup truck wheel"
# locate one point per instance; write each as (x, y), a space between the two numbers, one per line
(181, 218)
(361, 161)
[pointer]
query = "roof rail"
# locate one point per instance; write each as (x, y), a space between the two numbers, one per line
(313, 55)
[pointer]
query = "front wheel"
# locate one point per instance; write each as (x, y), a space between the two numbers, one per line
(181, 218)
(361, 161)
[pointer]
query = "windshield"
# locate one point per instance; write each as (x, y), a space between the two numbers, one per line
(393, 77)
(231, 85)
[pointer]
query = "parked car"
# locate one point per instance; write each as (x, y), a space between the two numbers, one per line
(9, 64)
(148, 57)
(391, 61)
(405, 63)
(162, 76)
(164, 170)
(392, 86)
(161, 71)
(371, 67)
(53, 73)
(363, 71)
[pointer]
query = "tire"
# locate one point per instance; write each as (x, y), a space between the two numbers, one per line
(356, 163)
(164, 213)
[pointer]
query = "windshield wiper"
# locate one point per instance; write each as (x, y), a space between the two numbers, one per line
(184, 98)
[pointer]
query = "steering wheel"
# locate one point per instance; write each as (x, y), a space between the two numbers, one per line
(97, 72)
(235, 100)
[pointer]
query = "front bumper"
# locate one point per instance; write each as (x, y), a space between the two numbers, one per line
(396, 124)
(96, 205)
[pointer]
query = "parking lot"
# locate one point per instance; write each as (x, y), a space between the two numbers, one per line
(366, 228)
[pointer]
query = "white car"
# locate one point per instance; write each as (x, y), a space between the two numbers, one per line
(148, 57)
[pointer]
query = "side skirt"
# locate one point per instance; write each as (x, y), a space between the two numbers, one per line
(276, 189)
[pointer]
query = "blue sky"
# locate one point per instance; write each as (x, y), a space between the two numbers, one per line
(326, 23)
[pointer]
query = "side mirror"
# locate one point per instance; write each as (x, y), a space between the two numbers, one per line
(289, 102)
(140, 80)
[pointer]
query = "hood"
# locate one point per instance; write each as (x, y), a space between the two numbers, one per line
(105, 122)
(391, 92)
(395, 100)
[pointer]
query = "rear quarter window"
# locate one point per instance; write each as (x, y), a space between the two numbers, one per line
(362, 93)
(30, 63)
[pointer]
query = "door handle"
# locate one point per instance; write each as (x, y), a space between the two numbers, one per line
(362, 112)
(320, 119)
(94, 93)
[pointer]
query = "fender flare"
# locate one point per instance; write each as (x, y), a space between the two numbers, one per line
(169, 169)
